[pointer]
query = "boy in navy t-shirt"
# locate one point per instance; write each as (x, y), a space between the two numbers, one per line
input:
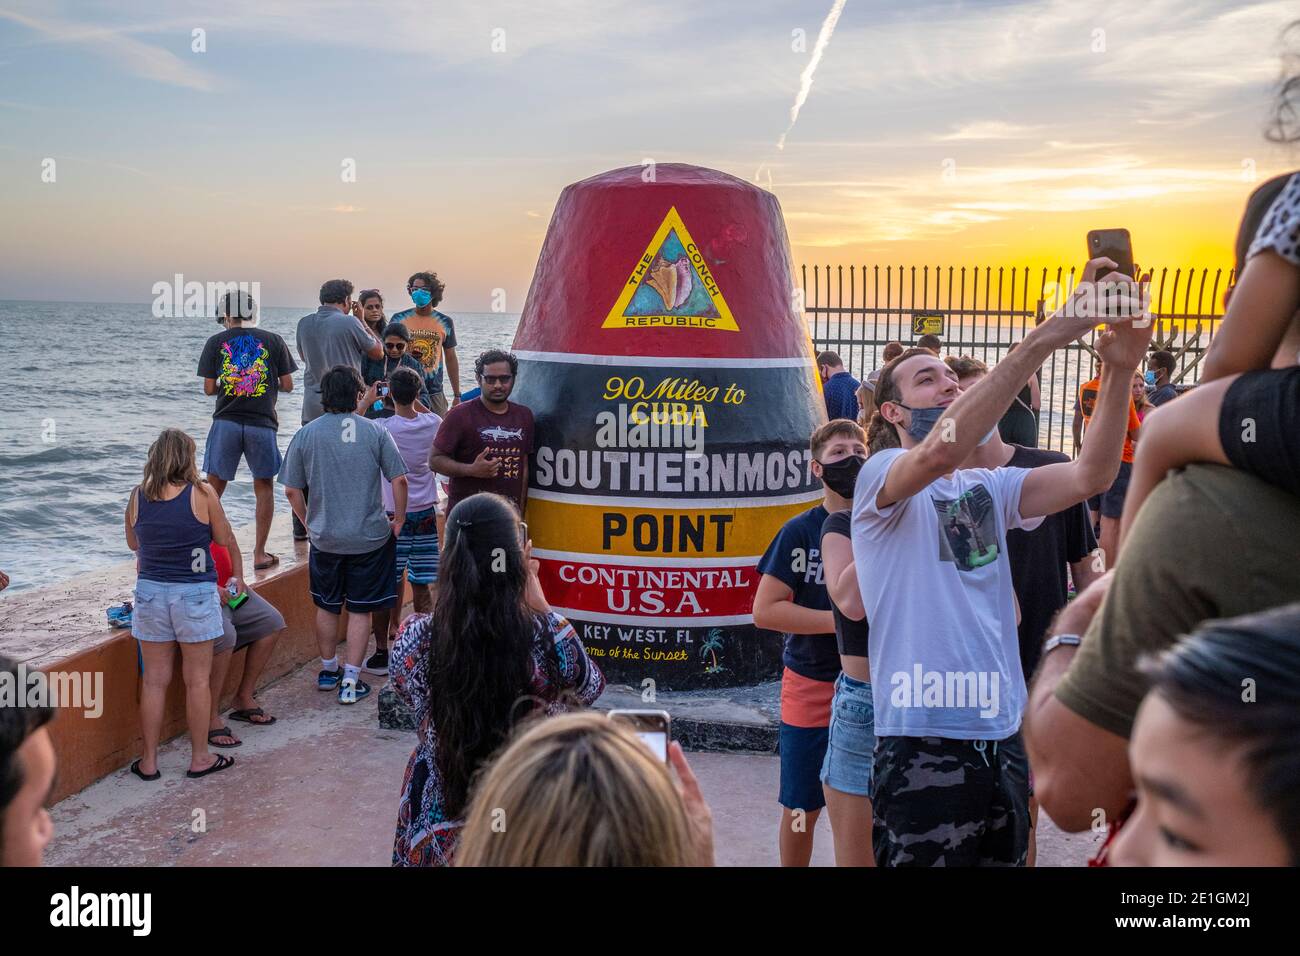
(792, 599)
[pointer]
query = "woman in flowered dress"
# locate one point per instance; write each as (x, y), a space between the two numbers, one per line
(491, 653)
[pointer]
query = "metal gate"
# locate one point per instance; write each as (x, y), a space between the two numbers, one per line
(856, 310)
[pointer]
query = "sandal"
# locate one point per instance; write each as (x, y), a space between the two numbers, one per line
(135, 769)
(275, 559)
(246, 716)
(223, 732)
(222, 762)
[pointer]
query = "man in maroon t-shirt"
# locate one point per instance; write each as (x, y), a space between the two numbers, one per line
(484, 445)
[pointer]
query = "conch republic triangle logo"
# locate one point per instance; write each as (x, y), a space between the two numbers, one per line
(671, 286)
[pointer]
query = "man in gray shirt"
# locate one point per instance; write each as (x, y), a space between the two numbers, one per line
(353, 555)
(330, 336)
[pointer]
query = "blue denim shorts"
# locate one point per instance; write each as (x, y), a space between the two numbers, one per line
(850, 752)
(229, 441)
(186, 612)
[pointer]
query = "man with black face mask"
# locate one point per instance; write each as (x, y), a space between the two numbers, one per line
(793, 600)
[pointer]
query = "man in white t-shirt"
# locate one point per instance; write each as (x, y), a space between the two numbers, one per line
(929, 543)
(417, 546)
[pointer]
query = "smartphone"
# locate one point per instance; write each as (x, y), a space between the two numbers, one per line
(1114, 244)
(651, 726)
(383, 388)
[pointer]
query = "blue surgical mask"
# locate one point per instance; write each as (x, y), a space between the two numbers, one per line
(421, 297)
(923, 420)
(1149, 377)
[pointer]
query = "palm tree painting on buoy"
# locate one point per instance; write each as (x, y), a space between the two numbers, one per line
(712, 644)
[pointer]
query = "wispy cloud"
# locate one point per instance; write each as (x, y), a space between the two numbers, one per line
(137, 57)
(987, 129)
(806, 77)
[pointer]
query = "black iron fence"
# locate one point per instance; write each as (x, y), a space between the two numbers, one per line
(857, 310)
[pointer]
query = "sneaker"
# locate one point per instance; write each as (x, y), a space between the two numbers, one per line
(351, 691)
(328, 680)
(377, 663)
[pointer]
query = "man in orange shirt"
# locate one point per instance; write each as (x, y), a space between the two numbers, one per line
(1110, 503)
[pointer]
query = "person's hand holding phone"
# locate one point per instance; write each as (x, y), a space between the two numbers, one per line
(698, 815)
(533, 593)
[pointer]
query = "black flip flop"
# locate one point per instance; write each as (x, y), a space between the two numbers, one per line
(135, 769)
(245, 716)
(275, 559)
(222, 762)
(222, 732)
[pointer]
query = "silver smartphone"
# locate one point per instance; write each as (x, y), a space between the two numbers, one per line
(652, 727)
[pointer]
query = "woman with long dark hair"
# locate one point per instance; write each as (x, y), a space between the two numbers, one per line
(491, 653)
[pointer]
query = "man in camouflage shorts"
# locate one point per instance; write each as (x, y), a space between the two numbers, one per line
(951, 802)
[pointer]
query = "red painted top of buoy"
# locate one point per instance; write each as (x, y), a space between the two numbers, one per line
(604, 229)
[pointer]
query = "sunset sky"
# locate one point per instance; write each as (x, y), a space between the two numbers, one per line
(953, 133)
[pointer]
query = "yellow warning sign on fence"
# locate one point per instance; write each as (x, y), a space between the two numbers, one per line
(927, 323)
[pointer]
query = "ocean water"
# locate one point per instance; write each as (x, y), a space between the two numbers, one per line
(84, 390)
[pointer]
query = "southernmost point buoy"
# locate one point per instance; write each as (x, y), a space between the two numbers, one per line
(674, 389)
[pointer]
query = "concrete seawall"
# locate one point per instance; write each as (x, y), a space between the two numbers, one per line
(61, 629)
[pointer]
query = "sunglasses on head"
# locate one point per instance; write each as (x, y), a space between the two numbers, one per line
(368, 294)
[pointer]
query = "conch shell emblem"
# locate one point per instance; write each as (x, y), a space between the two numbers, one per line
(672, 280)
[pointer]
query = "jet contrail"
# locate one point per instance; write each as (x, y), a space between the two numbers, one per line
(806, 78)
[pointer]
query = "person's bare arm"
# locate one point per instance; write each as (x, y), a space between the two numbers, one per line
(224, 535)
(376, 347)
(131, 540)
(1263, 303)
(401, 488)
(286, 383)
(297, 503)
(1079, 768)
(1035, 392)
(774, 609)
(1086, 570)
(1053, 488)
(209, 386)
(842, 576)
(1176, 434)
(453, 373)
(368, 398)
(480, 467)
(978, 410)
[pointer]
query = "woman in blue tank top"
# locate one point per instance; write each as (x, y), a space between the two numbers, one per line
(171, 519)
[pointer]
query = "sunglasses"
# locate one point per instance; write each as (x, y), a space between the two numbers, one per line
(497, 379)
(398, 346)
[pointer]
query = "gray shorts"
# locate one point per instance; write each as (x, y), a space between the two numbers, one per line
(253, 620)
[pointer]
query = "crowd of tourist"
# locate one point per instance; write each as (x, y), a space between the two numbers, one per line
(974, 627)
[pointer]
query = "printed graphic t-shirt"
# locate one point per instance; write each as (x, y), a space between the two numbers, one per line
(247, 364)
(430, 345)
(468, 429)
(936, 585)
(1087, 403)
(795, 559)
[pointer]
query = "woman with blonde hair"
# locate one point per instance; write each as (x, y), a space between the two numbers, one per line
(582, 790)
(171, 519)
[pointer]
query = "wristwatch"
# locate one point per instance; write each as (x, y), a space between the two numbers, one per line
(1056, 640)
